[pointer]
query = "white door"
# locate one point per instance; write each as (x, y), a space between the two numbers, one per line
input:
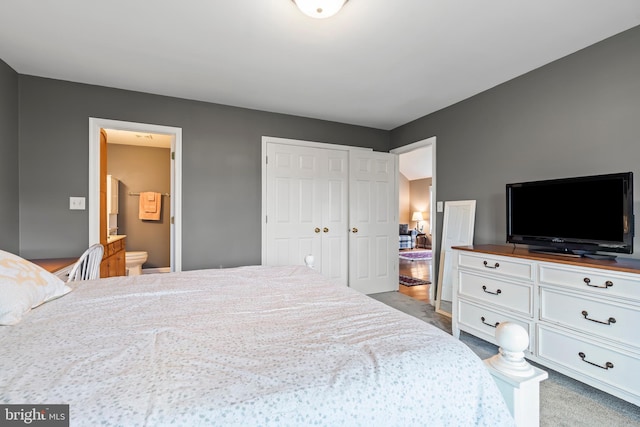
(458, 227)
(373, 242)
(306, 198)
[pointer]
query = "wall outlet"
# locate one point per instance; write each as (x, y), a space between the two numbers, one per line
(77, 203)
(439, 207)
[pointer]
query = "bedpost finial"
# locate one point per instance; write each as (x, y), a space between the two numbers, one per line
(308, 261)
(512, 339)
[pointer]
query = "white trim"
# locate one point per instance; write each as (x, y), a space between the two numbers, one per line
(95, 124)
(302, 143)
(434, 242)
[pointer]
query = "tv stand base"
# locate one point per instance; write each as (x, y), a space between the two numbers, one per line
(555, 252)
(573, 254)
(599, 256)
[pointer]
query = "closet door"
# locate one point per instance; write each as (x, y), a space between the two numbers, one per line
(373, 242)
(306, 197)
(335, 215)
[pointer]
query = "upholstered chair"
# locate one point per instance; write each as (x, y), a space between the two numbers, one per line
(407, 237)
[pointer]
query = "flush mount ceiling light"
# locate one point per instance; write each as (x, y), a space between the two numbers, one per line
(320, 8)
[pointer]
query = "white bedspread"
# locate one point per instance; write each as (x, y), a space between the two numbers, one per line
(249, 346)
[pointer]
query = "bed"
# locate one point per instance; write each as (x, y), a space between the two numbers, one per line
(248, 346)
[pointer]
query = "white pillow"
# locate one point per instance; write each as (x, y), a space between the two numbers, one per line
(23, 286)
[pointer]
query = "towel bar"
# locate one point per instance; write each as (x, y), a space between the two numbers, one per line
(137, 194)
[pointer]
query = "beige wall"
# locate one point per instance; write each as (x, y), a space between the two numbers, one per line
(143, 169)
(404, 199)
(414, 196)
(420, 196)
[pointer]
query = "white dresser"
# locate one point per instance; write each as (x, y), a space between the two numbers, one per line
(583, 316)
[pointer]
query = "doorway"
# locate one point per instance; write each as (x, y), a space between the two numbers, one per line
(416, 210)
(175, 199)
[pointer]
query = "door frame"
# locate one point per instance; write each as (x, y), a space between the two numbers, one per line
(432, 208)
(95, 124)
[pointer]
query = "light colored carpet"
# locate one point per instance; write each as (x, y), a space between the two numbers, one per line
(564, 402)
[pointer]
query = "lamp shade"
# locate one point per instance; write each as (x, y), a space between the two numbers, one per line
(417, 216)
(320, 8)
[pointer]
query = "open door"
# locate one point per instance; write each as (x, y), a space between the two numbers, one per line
(373, 221)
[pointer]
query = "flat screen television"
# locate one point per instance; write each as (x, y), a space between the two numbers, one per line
(575, 216)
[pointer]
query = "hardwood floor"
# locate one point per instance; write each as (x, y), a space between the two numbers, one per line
(420, 269)
(419, 292)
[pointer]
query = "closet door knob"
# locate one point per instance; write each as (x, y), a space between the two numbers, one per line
(326, 230)
(317, 230)
(354, 230)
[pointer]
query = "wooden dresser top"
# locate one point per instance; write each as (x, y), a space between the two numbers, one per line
(54, 264)
(627, 265)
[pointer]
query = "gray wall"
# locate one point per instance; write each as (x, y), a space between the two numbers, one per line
(9, 201)
(143, 169)
(577, 116)
(221, 165)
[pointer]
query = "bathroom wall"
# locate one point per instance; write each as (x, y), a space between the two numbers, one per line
(143, 169)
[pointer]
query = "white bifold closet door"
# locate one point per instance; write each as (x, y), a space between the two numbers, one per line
(337, 205)
(307, 212)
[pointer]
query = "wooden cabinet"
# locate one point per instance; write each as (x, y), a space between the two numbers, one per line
(58, 266)
(582, 315)
(113, 261)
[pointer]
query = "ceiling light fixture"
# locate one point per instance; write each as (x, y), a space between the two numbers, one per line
(320, 8)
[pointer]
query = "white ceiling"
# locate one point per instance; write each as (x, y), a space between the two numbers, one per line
(417, 164)
(377, 63)
(125, 137)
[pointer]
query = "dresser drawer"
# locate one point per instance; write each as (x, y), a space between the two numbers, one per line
(612, 366)
(110, 249)
(499, 293)
(609, 320)
(483, 321)
(499, 266)
(592, 280)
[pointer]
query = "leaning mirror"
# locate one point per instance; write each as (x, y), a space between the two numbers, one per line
(457, 230)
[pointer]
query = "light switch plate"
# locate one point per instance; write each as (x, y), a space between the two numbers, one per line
(439, 207)
(77, 203)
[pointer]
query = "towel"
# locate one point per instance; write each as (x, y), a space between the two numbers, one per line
(149, 208)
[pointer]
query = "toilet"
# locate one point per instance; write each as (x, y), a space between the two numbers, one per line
(134, 261)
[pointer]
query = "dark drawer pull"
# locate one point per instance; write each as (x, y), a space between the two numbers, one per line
(498, 292)
(607, 284)
(608, 322)
(608, 365)
(489, 324)
(486, 264)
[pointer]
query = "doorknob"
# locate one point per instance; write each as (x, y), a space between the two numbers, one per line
(326, 230)
(317, 230)
(354, 230)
